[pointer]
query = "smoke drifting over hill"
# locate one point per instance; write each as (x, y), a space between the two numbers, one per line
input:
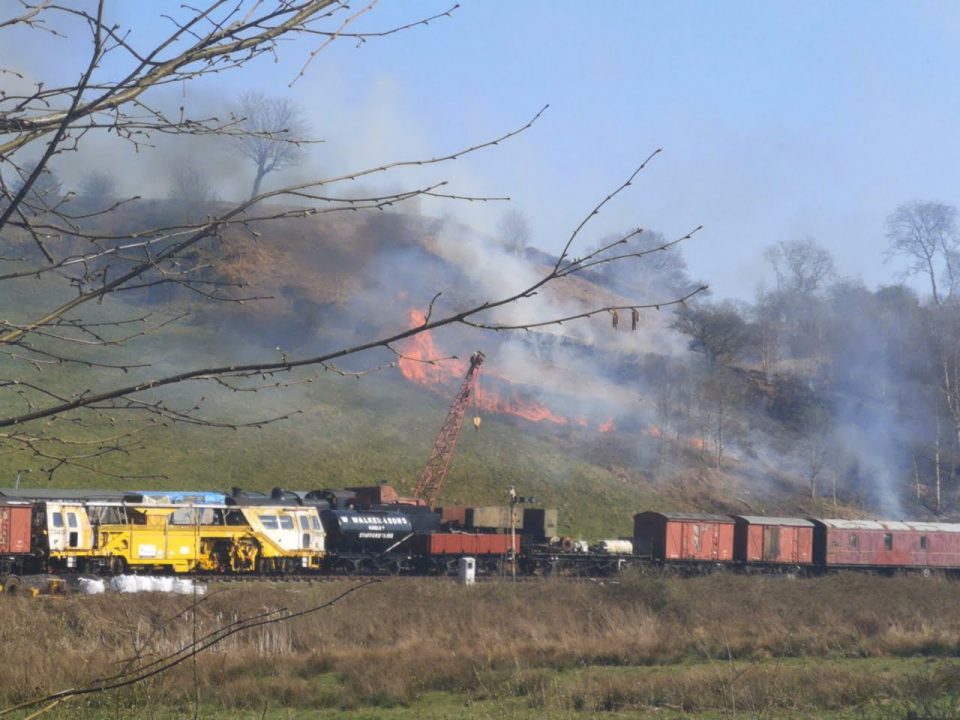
(841, 407)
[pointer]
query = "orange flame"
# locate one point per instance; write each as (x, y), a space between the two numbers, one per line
(608, 426)
(528, 410)
(419, 366)
(655, 432)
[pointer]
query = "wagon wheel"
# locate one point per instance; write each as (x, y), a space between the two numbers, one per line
(597, 569)
(118, 565)
(11, 585)
(667, 570)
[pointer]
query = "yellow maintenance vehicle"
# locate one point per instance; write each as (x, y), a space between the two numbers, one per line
(156, 536)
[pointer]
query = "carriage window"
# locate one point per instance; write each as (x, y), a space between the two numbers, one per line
(58, 520)
(72, 519)
(316, 522)
(853, 541)
(269, 521)
(888, 541)
(923, 542)
(286, 522)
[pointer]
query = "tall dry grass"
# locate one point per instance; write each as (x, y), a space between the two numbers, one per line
(391, 642)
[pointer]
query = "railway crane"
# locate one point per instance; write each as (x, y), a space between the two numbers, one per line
(435, 471)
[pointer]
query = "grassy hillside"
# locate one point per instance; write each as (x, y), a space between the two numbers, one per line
(341, 431)
(354, 432)
(358, 432)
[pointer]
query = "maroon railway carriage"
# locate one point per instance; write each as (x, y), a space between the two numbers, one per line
(15, 525)
(779, 541)
(684, 537)
(875, 543)
(16, 553)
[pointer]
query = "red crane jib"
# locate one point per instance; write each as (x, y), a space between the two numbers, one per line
(435, 472)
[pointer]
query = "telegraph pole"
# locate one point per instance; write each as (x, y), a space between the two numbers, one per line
(512, 494)
(515, 500)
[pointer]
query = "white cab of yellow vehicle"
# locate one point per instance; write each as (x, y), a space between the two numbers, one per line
(68, 527)
(291, 528)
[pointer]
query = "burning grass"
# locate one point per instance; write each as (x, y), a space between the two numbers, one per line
(757, 645)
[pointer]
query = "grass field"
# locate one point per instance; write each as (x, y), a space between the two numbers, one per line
(841, 646)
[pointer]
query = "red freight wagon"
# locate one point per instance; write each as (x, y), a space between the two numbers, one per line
(684, 536)
(772, 540)
(465, 544)
(15, 529)
(859, 543)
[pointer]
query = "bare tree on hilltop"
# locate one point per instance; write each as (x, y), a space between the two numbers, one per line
(514, 229)
(925, 235)
(83, 256)
(800, 266)
(274, 132)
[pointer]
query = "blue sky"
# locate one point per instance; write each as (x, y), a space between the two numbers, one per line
(778, 120)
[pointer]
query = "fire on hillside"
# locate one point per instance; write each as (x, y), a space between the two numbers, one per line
(420, 365)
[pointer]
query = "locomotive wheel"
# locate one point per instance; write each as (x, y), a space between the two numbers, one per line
(11, 586)
(388, 566)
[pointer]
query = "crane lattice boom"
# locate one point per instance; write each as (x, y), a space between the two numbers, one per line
(435, 472)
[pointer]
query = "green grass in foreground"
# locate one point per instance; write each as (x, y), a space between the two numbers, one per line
(847, 646)
(863, 689)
